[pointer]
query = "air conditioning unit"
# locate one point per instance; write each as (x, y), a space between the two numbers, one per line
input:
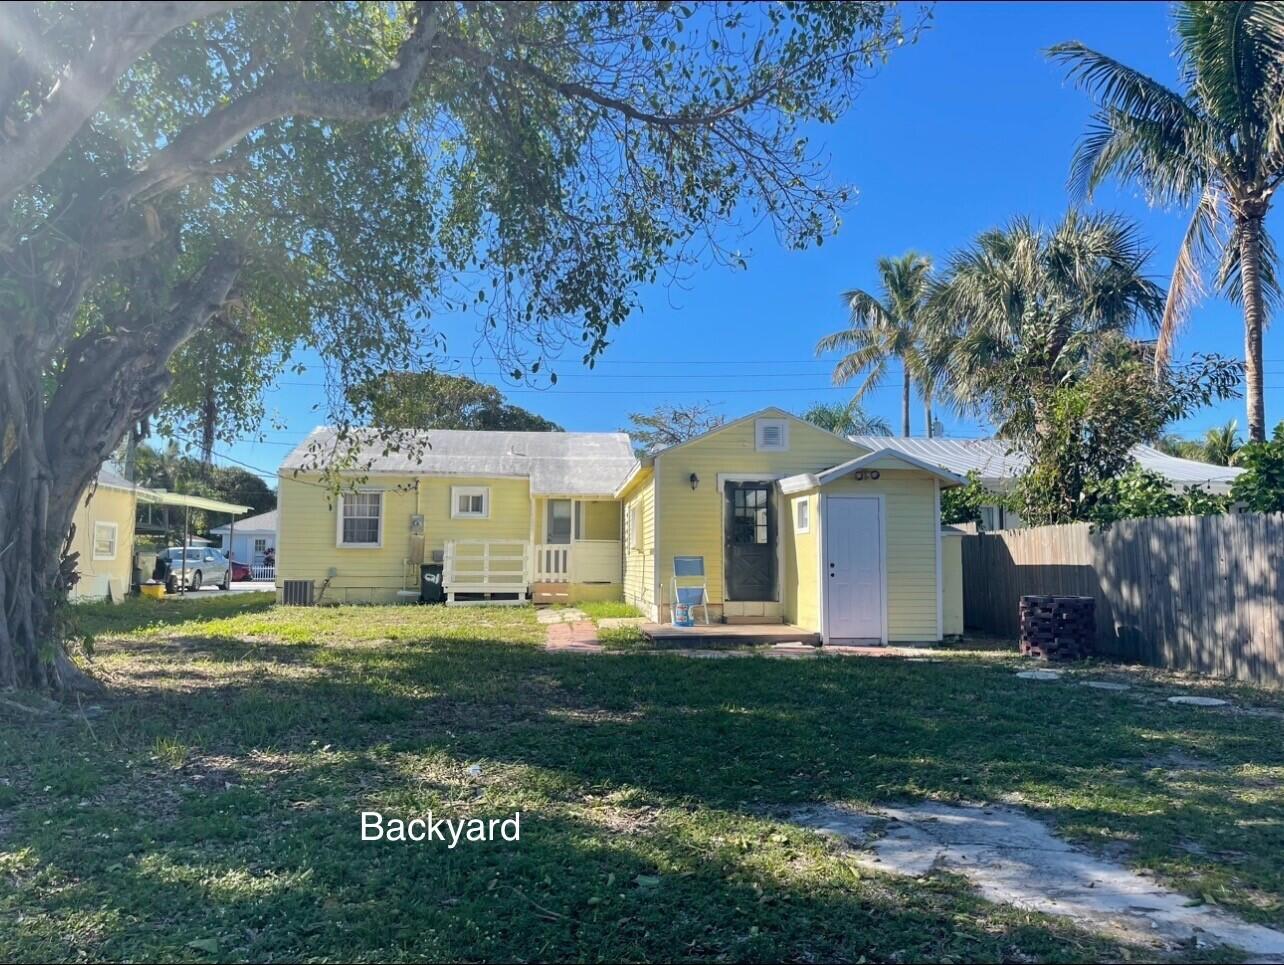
(297, 593)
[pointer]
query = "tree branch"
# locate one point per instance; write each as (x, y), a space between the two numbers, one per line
(128, 31)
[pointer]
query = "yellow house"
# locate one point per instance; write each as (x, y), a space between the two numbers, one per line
(790, 524)
(104, 537)
(505, 515)
(793, 524)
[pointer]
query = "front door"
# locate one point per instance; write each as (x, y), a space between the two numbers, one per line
(750, 533)
(853, 567)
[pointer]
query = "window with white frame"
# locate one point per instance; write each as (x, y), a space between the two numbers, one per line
(260, 545)
(361, 519)
(105, 541)
(802, 516)
(771, 435)
(633, 523)
(470, 502)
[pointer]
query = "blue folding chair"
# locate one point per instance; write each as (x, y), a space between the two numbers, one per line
(686, 570)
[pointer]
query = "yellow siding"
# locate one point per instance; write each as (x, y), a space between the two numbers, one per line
(911, 534)
(601, 520)
(802, 593)
(106, 506)
(639, 558)
(307, 532)
(952, 584)
(691, 521)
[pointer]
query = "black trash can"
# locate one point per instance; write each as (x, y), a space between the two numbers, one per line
(430, 588)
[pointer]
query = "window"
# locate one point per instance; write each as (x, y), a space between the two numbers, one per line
(360, 519)
(750, 514)
(771, 435)
(470, 502)
(260, 545)
(633, 527)
(559, 521)
(105, 541)
(802, 516)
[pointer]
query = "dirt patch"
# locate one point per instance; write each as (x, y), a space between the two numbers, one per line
(1012, 858)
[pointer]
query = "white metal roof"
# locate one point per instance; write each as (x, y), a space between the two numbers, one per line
(811, 480)
(556, 463)
(262, 523)
(997, 467)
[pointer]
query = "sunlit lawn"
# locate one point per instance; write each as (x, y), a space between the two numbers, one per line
(210, 810)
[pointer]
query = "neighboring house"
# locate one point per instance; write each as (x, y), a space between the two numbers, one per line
(104, 533)
(250, 539)
(998, 468)
(503, 513)
(793, 524)
(104, 538)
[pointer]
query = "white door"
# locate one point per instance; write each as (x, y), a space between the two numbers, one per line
(853, 568)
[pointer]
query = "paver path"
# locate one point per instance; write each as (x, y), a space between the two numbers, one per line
(579, 636)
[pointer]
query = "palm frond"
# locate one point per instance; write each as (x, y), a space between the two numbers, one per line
(1186, 287)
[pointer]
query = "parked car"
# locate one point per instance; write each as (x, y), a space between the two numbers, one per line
(240, 571)
(205, 566)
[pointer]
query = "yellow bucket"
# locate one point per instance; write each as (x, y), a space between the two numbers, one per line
(154, 590)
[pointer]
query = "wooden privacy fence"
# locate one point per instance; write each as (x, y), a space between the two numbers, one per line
(1202, 593)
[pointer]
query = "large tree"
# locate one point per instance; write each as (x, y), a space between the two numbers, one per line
(339, 173)
(1024, 309)
(889, 325)
(1217, 149)
(669, 425)
(438, 400)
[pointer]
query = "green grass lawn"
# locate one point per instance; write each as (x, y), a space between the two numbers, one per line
(210, 810)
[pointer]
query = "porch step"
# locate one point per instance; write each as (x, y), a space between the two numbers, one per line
(754, 621)
(726, 634)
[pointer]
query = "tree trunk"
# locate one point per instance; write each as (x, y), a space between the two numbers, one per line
(53, 440)
(905, 405)
(1250, 264)
(927, 413)
(209, 423)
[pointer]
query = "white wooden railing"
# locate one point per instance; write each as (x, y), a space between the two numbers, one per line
(552, 563)
(583, 561)
(263, 573)
(486, 566)
(510, 566)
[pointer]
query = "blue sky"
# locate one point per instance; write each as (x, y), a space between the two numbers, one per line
(958, 133)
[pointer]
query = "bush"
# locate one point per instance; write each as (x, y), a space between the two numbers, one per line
(1261, 486)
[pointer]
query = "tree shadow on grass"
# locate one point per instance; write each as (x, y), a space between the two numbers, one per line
(644, 766)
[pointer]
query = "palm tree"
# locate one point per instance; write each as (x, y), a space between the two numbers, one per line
(1219, 148)
(886, 329)
(1221, 443)
(1025, 308)
(846, 420)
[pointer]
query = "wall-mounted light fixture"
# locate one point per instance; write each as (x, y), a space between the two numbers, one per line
(695, 481)
(863, 474)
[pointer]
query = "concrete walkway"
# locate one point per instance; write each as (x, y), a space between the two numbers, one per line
(1015, 859)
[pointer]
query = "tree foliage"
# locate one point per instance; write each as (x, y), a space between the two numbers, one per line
(891, 325)
(1138, 493)
(337, 175)
(669, 425)
(1260, 487)
(846, 419)
(962, 504)
(1088, 427)
(436, 400)
(172, 470)
(1026, 309)
(1214, 150)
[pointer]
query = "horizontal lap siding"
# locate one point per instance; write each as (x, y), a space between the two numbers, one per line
(106, 506)
(639, 564)
(910, 499)
(691, 521)
(802, 594)
(307, 531)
